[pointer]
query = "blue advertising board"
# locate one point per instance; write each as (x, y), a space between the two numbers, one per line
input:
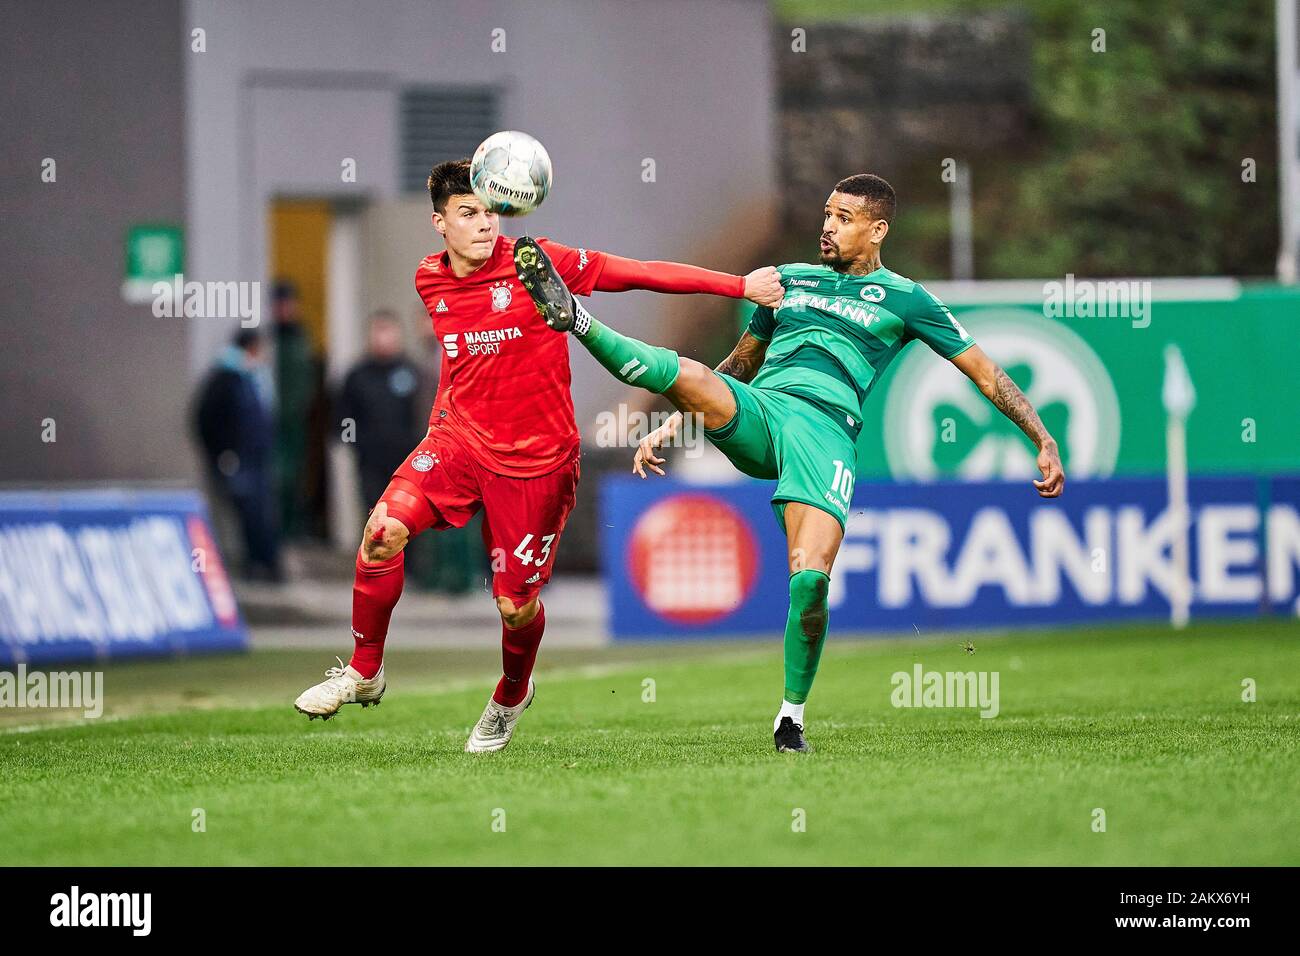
(104, 574)
(690, 560)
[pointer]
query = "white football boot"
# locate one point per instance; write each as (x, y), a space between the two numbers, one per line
(343, 685)
(497, 725)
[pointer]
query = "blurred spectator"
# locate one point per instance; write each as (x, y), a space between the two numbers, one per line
(296, 390)
(232, 419)
(381, 396)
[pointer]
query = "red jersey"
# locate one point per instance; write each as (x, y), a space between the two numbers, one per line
(504, 387)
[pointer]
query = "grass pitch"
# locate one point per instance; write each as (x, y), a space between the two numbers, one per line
(1148, 726)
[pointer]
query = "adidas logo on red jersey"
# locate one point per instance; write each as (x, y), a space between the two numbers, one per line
(442, 306)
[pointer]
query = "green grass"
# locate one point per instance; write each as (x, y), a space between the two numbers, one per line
(1147, 725)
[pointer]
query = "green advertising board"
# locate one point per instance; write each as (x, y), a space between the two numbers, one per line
(1096, 381)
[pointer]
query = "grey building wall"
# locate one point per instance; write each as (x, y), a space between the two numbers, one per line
(144, 128)
(97, 87)
(604, 84)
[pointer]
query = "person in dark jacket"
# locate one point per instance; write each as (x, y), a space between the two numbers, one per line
(298, 392)
(233, 420)
(379, 409)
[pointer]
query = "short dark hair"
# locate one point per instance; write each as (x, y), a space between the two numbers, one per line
(448, 179)
(881, 201)
(247, 339)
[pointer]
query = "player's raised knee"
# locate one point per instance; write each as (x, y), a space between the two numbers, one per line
(516, 616)
(692, 376)
(384, 537)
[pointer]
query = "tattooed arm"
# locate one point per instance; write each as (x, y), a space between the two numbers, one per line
(745, 359)
(1011, 402)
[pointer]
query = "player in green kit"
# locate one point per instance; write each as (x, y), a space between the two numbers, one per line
(786, 404)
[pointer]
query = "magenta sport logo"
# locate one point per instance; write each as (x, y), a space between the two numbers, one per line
(693, 558)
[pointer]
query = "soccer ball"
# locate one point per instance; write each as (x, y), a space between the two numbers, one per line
(510, 173)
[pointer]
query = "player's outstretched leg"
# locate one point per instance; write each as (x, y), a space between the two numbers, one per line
(646, 366)
(691, 386)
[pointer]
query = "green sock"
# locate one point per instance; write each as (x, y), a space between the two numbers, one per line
(805, 631)
(645, 366)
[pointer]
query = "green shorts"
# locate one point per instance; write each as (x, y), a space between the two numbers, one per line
(776, 435)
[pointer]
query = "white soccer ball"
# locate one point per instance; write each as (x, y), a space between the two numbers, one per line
(510, 173)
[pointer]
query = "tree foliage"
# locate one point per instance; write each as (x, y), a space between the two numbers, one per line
(1139, 170)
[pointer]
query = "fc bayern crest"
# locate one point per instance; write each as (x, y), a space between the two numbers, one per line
(423, 462)
(501, 296)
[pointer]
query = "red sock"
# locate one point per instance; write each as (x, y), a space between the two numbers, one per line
(518, 652)
(374, 594)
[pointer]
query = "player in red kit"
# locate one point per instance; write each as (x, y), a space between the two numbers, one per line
(502, 437)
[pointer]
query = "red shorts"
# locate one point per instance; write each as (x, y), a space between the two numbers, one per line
(441, 485)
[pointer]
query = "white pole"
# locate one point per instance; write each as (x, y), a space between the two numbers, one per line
(1180, 596)
(1179, 397)
(1288, 139)
(960, 225)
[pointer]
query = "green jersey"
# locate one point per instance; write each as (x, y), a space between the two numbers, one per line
(834, 335)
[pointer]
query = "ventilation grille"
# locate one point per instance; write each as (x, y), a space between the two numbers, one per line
(440, 124)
